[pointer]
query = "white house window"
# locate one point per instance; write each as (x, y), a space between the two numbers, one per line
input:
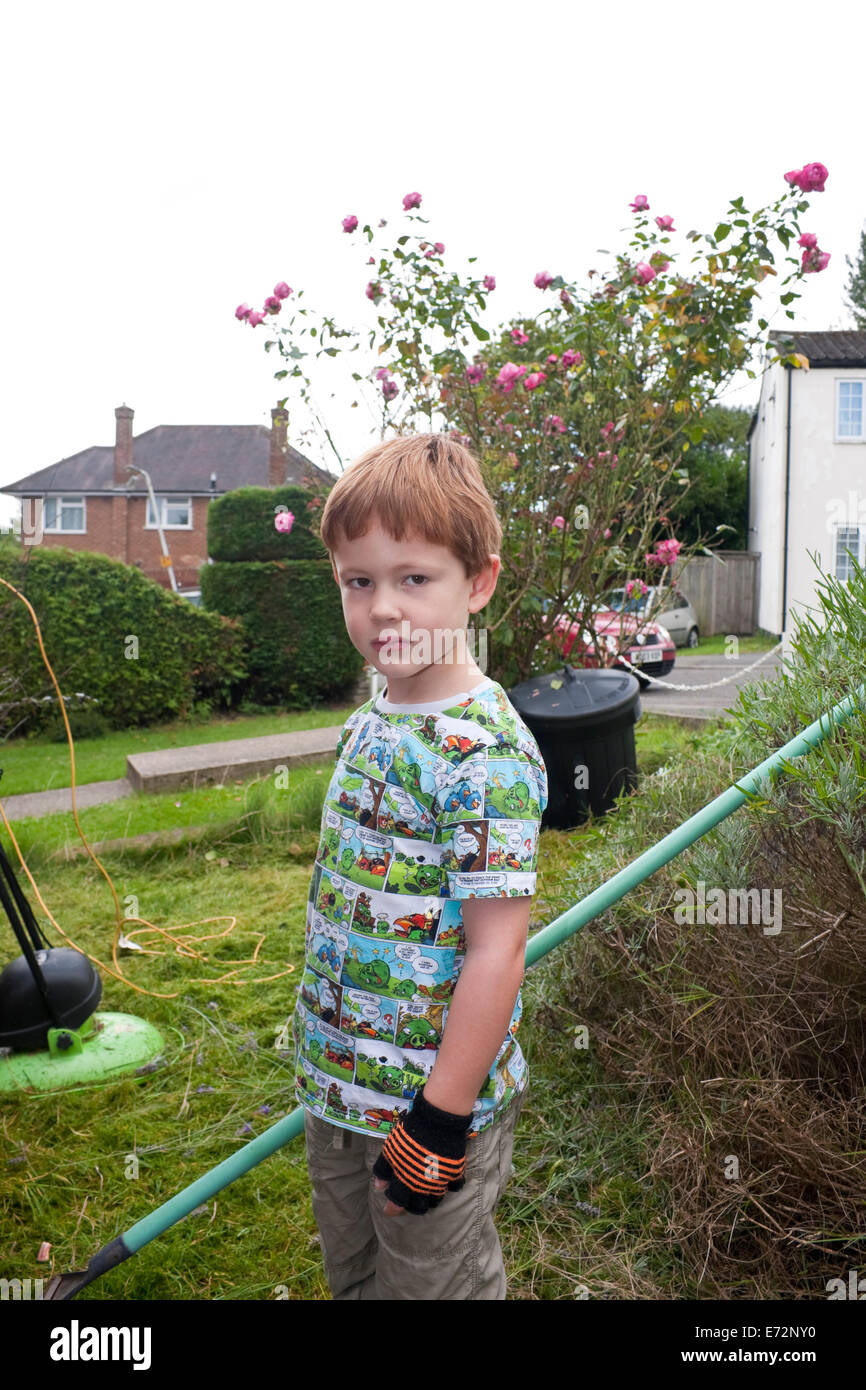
(849, 409)
(175, 513)
(63, 514)
(847, 538)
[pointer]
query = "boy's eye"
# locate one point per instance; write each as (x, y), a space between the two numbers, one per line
(362, 579)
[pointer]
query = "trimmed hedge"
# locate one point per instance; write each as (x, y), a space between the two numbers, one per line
(298, 650)
(90, 608)
(280, 587)
(240, 525)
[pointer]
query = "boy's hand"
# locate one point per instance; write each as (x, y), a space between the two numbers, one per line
(423, 1157)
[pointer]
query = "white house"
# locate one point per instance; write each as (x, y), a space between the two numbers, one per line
(807, 472)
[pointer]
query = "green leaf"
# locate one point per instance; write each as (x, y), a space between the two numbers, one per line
(786, 298)
(401, 240)
(722, 231)
(481, 333)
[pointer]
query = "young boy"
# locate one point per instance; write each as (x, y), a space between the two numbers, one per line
(407, 1064)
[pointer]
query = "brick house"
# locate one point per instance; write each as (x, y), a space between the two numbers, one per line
(94, 501)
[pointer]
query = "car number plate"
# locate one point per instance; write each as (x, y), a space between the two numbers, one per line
(646, 654)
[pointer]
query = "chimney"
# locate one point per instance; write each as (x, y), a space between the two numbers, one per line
(278, 461)
(122, 445)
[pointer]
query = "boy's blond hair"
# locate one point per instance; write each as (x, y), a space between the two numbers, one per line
(427, 485)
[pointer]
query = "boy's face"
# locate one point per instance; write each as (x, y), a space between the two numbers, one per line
(416, 596)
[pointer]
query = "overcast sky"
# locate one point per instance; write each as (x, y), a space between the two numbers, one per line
(167, 161)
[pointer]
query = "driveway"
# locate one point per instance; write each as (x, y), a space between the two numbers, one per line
(661, 697)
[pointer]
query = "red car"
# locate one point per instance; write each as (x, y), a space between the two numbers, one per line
(652, 647)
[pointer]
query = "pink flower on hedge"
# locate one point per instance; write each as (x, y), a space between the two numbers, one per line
(242, 311)
(661, 266)
(382, 374)
(552, 359)
(643, 273)
(389, 389)
(371, 260)
(374, 290)
(635, 585)
(665, 224)
(284, 521)
(571, 358)
(509, 375)
(810, 179)
(558, 522)
(553, 424)
(489, 282)
(435, 250)
(542, 280)
(476, 372)
(534, 380)
(565, 298)
(607, 534)
(255, 317)
(273, 304)
(350, 223)
(640, 204)
(282, 290)
(815, 259)
(808, 239)
(665, 553)
(412, 200)
(519, 336)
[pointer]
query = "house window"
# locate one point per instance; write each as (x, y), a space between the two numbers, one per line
(849, 409)
(175, 513)
(847, 538)
(63, 514)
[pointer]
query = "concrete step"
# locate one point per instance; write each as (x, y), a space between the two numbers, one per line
(238, 759)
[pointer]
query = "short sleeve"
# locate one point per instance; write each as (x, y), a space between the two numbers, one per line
(488, 824)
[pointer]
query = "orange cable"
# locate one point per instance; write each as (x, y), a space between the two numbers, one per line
(182, 944)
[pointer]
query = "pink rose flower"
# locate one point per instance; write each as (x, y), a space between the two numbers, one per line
(389, 389)
(350, 223)
(606, 430)
(665, 224)
(382, 374)
(509, 375)
(607, 533)
(411, 200)
(255, 317)
(810, 179)
(374, 290)
(371, 260)
(572, 358)
(813, 177)
(552, 358)
(814, 260)
(489, 282)
(534, 380)
(282, 290)
(643, 273)
(565, 298)
(553, 424)
(284, 521)
(808, 239)
(558, 522)
(476, 372)
(640, 204)
(272, 304)
(662, 266)
(242, 311)
(542, 280)
(519, 336)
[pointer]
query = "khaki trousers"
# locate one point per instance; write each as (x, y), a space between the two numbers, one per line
(452, 1252)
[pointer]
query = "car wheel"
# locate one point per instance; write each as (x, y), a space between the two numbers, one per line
(693, 638)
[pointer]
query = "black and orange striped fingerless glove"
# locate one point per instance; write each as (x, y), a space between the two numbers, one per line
(424, 1156)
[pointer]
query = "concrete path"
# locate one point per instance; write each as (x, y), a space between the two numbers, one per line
(696, 706)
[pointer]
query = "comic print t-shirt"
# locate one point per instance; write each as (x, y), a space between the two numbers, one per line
(428, 804)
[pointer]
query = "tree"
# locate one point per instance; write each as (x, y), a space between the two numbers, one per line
(581, 415)
(856, 287)
(716, 502)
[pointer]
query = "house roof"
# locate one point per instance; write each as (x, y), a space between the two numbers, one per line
(179, 458)
(846, 349)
